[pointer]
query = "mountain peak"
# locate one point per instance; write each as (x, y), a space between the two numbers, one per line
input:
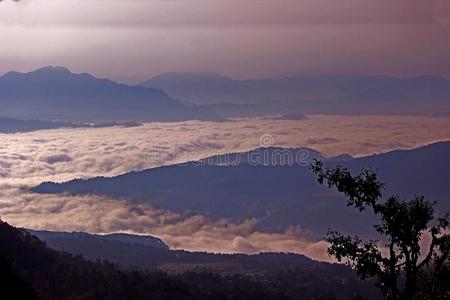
(44, 94)
(47, 70)
(52, 69)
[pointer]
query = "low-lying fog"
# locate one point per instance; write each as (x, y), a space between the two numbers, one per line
(27, 159)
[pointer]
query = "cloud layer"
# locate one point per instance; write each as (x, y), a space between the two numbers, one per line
(197, 233)
(63, 154)
(27, 159)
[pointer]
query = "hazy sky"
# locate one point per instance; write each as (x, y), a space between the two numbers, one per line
(132, 40)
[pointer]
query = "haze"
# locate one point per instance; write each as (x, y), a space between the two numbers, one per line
(243, 39)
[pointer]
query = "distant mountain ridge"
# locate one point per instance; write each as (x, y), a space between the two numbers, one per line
(280, 195)
(55, 93)
(264, 156)
(147, 252)
(335, 94)
(144, 240)
(235, 110)
(10, 125)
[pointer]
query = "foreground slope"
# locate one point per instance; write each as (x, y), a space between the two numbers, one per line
(58, 275)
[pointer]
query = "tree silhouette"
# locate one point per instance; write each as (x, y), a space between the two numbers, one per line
(403, 269)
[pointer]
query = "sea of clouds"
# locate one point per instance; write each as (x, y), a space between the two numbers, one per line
(27, 159)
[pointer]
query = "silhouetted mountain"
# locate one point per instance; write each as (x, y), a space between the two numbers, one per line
(144, 240)
(59, 275)
(421, 171)
(55, 93)
(257, 184)
(344, 94)
(9, 125)
(264, 156)
(137, 252)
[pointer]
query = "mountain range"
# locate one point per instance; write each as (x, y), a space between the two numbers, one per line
(314, 94)
(148, 253)
(57, 94)
(277, 188)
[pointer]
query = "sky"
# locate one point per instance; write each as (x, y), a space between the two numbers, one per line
(133, 40)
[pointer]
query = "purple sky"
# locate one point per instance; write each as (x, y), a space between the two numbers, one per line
(132, 40)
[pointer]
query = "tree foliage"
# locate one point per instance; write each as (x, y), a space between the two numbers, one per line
(403, 267)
